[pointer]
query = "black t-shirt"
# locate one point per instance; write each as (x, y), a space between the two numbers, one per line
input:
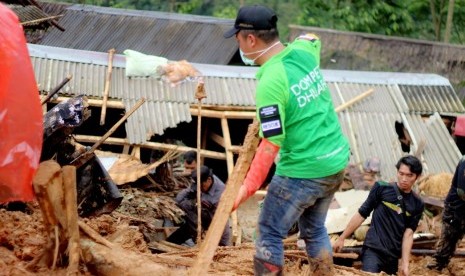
(388, 223)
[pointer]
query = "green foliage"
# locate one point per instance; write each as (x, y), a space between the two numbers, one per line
(411, 18)
(380, 17)
(226, 12)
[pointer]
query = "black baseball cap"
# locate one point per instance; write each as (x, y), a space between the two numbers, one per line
(254, 17)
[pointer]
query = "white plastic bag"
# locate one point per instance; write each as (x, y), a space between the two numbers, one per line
(142, 65)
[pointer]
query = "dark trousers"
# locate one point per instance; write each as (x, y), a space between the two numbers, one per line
(452, 232)
(374, 261)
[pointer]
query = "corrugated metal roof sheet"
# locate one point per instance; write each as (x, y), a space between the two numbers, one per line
(373, 135)
(225, 85)
(174, 36)
(440, 153)
(429, 99)
(369, 124)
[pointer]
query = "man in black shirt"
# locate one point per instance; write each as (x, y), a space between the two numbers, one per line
(396, 213)
(453, 220)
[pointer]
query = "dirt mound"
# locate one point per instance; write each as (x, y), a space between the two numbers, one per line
(22, 239)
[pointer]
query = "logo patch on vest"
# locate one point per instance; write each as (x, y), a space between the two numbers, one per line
(270, 121)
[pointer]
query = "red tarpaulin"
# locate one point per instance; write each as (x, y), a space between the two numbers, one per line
(20, 113)
(460, 126)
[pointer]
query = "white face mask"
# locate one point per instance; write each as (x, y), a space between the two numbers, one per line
(251, 62)
(246, 60)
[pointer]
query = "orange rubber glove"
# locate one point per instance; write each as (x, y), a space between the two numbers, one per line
(261, 164)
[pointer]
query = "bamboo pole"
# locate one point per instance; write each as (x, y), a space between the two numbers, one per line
(106, 91)
(95, 102)
(149, 145)
(56, 89)
(199, 95)
(225, 114)
(230, 166)
(41, 19)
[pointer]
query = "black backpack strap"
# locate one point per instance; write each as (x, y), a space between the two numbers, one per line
(401, 200)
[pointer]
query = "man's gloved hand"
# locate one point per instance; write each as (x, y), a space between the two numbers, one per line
(206, 204)
(261, 164)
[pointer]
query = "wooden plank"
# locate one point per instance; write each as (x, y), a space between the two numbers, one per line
(72, 228)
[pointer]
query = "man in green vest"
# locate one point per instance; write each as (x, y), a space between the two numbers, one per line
(298, 121)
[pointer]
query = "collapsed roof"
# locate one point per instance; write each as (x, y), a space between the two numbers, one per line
(415, 100)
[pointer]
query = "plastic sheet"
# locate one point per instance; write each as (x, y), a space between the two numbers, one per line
(20, 113)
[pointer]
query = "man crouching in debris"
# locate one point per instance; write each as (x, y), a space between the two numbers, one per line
(453, 220)
(212, 188)
(397, 211)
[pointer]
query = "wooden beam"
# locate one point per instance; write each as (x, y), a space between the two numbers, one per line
(194, 112)
(224, 114)
(230, 165)
(150, 145)
(217, 139)
(235, 149)
(227, 145)
(227, 107)
(95, 102)
(220, 141)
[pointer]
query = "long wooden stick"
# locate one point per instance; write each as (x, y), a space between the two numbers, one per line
(354, 100)
(199, 185)
(41, 19)
(106, 91)
(56, 89)
(199, 94)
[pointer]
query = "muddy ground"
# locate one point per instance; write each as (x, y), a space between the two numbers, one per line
(22, 239)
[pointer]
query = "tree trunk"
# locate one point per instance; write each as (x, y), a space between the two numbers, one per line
(103, 260)
(450, 14)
